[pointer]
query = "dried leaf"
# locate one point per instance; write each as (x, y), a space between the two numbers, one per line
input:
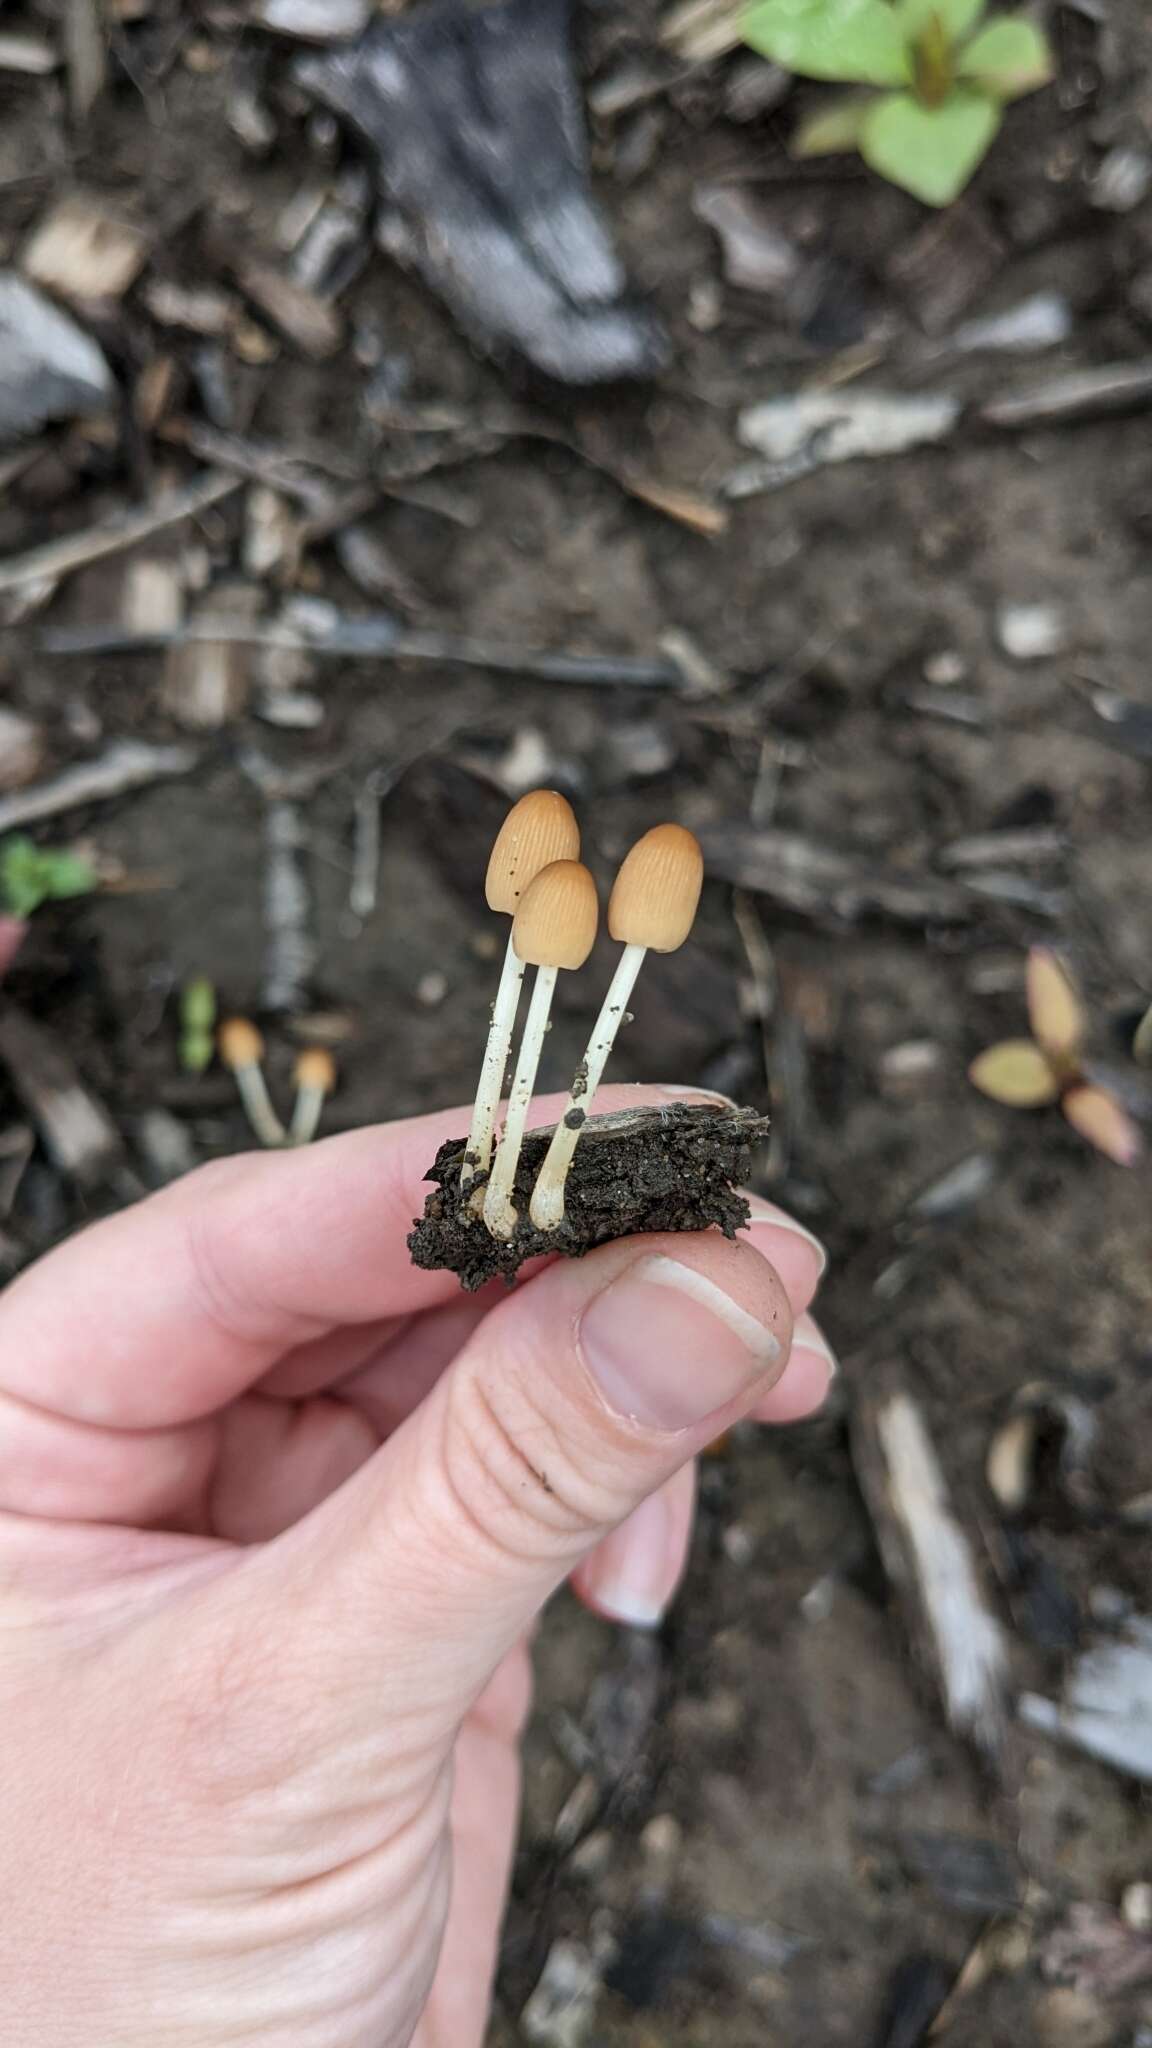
(1101, 1119)
(1055, 1011)
(1015, 1072)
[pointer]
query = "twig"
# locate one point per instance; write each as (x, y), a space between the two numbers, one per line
(79, 1134)
(375, 636)
(128, 764)
(86, 53)
(73, 551)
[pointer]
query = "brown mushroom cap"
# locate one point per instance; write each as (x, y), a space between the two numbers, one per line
(239, 1044)
(315, 1068)
(538, 830)
(555, 925)
(657, 890)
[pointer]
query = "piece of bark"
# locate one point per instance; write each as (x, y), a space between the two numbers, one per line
(82, 250)
(475, 121)
(931, 1561)
(21, 749)
(308, 322)
(52, 370)
(77, 1131)
(206, 682)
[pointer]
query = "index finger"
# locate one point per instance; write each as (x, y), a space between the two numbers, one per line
(163, 1313)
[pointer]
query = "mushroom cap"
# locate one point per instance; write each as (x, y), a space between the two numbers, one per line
(656, 892)
(539, 829)
(239, 1043)
(555, 925)
(315, 1068)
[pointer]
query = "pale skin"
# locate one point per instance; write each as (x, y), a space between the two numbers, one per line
(277, 1515)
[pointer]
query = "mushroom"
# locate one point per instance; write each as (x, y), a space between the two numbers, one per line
(554, 927)
(652, 908)
(315, 1078)
(540, 829)
(241, 1050)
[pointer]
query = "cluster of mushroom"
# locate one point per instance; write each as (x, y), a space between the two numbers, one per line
(535, 876)
(241, 1050)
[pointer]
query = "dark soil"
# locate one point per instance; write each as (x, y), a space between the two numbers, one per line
(634, 1170)
(773, 1756)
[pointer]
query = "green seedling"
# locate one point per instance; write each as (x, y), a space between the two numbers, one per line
(945, 70)
(1027, 1073)
(197, 1024)
(31, 875)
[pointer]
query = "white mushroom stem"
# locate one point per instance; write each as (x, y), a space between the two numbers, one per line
(478, 1150)
(547, 1205)
(258, 1106)
(307, 1114)
(500, 1213)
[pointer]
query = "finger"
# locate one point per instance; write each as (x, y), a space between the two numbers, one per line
(634, 1571)
(485, 1810)
(803, 1389)
(161, 1314)
(799, 1258)
(572, 1402)
(12, 931)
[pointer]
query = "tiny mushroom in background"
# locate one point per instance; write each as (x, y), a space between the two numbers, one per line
(538, 830)
(315, 1078)
(241, 1050)
(554, 927)
(652, 908)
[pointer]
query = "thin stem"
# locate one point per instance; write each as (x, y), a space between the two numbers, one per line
(499, 1210)
(547, 1206)
(258, 1106)
(306, 1115)
(478, 1150)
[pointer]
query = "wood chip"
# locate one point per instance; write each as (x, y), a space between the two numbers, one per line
(79, 1135)
(206, 682)
(153, 594)
(931, 1561)
(34, 55)
(82, 250)
(21, 750)
(308, 322)
(199, 308)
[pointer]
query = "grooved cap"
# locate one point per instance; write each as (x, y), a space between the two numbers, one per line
(657, 890)
(555, 925)
(538, 830)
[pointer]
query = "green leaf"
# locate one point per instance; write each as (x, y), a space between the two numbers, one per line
(1008, 57)
(957, 17)
(929, 151)
(859, 41)
(1015, 1072)
(832, 128)
(31, 875)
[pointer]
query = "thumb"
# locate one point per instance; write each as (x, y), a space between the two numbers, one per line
(576, 1398)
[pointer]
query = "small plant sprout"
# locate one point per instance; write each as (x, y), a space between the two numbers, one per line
(315, 1078)
(197, 1024)
(31, 875)
(945, 70)
(538, 830)
(241, 1050)
(652, 908)
(1027, 1073)
(554, 927)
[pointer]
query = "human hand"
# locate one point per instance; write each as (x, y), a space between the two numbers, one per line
(276, 1514)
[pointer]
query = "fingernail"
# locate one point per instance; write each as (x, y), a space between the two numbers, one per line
(673, 1092)
(808, 1336)
(763, 1212)
(628, 1576)
(667, 1347)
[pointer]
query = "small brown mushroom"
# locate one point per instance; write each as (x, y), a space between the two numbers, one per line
(241, 1051)
(554, 927)
(315, 1078)
(652, 907)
